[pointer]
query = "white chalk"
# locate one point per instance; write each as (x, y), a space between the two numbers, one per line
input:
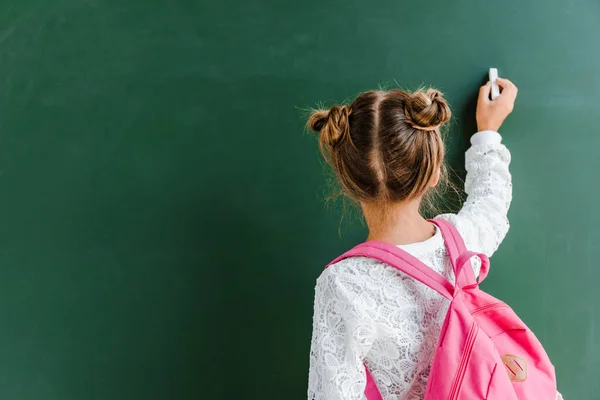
(495, 88)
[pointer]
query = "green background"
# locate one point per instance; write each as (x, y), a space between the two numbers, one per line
(162, 220)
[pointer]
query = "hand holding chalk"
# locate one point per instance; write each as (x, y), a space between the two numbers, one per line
(495, 89)
(492, 113)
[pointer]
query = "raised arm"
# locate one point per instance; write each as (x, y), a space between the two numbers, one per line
(483, 221)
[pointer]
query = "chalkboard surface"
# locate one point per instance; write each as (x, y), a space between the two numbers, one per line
(161, 213)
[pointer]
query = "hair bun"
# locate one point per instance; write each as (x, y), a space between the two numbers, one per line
(427, 110)
(333, 124)
(317, 120)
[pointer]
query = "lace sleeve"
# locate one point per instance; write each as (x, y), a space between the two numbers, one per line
(483, 221)
(338, 347)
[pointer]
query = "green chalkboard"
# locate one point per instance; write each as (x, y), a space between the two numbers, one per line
(161, 213)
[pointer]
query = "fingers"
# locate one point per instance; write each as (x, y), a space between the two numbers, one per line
(508, 88)
(504, 83)
(484, 93)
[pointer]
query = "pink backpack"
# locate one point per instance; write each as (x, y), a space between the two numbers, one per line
(485, 351)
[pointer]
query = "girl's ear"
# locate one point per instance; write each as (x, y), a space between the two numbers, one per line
(435, 179)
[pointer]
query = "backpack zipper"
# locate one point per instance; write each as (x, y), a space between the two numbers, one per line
(462, 368)
(489, 307)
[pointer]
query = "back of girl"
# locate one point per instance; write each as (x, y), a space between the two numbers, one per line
(371, 321)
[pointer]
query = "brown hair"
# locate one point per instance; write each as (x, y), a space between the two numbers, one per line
(386, 146)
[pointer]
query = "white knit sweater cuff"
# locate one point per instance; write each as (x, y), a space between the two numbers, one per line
(486, 137)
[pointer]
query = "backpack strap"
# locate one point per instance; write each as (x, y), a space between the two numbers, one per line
(459, 255)
(371, 390)
(485, 263)
(401, 260)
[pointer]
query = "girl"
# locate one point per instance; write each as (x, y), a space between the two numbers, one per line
(387, 152)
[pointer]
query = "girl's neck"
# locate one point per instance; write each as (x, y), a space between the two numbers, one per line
(398, 224)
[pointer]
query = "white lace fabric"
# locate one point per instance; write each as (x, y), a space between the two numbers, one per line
(367, 312)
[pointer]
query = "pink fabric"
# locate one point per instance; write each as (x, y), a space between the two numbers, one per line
(371, 391)
(477, 332)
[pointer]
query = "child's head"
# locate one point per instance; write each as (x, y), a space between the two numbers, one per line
(385, 147)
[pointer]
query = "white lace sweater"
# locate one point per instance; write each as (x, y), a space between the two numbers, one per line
(366, 311)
